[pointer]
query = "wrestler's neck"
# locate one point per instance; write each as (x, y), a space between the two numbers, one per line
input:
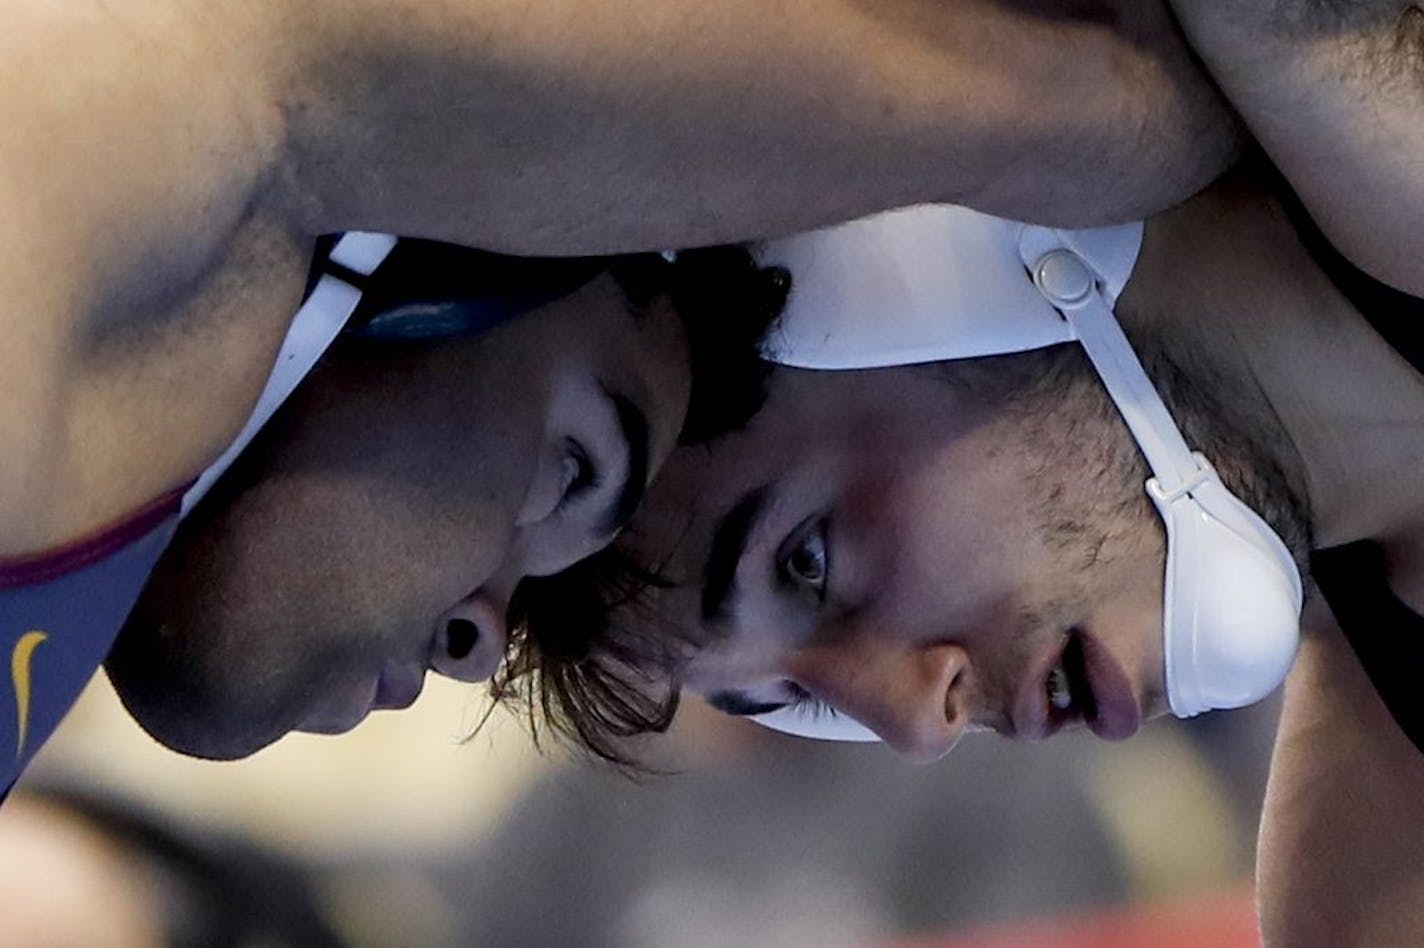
(1224, 279)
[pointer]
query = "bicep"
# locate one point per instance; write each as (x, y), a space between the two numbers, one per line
(1337, 100)
(1341, 853)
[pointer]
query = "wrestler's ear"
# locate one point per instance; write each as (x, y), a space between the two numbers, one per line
(469, 638)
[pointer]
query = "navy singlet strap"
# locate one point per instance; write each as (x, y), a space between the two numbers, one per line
(1387, 636)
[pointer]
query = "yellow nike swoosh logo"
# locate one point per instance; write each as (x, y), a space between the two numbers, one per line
(20, 675)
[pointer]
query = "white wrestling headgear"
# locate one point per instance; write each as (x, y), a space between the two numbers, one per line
(935, 282)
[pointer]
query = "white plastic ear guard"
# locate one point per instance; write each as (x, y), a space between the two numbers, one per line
(1232, 598)
(935, 282)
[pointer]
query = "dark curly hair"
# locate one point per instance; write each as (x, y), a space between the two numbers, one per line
(564, 673)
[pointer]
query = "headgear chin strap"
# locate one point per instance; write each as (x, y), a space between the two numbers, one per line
(313, 329)
(932, 283)
(391, 290)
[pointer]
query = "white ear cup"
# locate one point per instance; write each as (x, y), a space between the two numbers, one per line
(1232, 592)
(1231, 608)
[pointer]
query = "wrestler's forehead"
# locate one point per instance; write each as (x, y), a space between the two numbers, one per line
(843, 442)
(845, 412)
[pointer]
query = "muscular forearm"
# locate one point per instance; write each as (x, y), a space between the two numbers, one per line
(1341, 854)
(582, 126)
(1335, 93)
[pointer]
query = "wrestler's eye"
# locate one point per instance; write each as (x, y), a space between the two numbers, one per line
(578, 477)
(805, 561)
(807, 705)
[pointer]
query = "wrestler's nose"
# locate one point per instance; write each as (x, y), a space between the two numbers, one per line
(470, 638)
(916, 699)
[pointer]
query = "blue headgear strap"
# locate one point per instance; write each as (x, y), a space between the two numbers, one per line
(430, 290)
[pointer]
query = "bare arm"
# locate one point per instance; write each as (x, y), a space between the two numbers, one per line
(164, 163)
(1341, 860)
(598, 125)
(1335, 93)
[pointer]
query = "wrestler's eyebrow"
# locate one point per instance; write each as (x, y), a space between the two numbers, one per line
(738, 704)
(634, 426)
(729, 542)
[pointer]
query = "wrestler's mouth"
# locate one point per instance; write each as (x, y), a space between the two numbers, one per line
(397, 688)
(1068, 688)
(394, 688)
(1078, 683)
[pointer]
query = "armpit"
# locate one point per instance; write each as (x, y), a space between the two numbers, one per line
(1409, 41)
(1391, 46)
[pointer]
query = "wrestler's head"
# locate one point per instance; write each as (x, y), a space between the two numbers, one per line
(378, 526)
(914, 551)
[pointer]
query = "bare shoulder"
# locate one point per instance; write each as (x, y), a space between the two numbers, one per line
(1341, 858)
(140, 175)
(123, 120)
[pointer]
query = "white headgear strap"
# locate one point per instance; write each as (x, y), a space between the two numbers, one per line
(313, 329)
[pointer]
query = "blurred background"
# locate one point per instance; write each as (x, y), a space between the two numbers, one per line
(405, 834)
